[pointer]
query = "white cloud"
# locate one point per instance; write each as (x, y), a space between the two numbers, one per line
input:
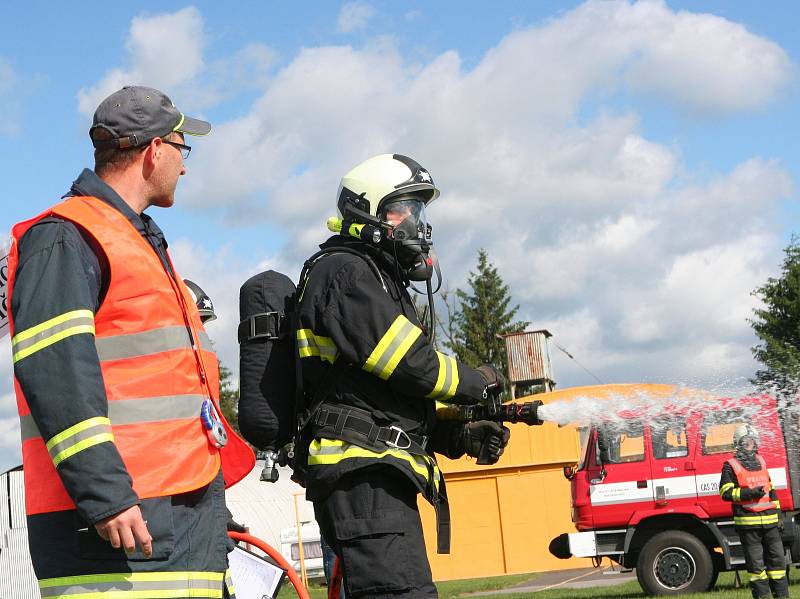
(166, 51)
(642, 269)
(354, 16)
(689, 54)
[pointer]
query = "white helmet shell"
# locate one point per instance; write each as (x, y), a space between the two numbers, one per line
(384, 177)
(745, 430)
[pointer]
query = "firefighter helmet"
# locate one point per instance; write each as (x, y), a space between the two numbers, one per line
(204, 304)
(745, 431)
(377, 181)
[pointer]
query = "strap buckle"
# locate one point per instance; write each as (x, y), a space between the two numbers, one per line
(399, 434)
(266, 325)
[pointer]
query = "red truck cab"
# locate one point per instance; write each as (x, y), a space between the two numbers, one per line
(646, 491)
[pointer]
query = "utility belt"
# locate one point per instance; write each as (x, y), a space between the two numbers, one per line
(358, 427)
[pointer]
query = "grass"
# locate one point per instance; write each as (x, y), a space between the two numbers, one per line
(448, 589)
(724, 589)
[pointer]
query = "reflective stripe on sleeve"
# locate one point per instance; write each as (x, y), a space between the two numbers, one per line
(333, 451)
(725, 487)
(447, 379)
(29, 341)
(140, 585)
(78, 437)
(394, 344)
(309, 344)
(736, 494)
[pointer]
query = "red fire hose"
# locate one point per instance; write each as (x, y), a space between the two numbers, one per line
(335, 585)
(302, 593)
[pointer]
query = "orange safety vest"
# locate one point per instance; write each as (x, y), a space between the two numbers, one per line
(749, 479)
(156, 375)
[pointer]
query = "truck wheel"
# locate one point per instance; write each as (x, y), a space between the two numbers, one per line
(674, 562)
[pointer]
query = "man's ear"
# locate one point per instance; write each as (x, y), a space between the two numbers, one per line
(152, 154)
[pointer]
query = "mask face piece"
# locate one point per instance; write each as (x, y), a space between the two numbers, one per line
(410, 236)
(408, 218)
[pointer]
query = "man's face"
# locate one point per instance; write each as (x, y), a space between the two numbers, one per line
(396, 213)
(170, 167)
(748, 444)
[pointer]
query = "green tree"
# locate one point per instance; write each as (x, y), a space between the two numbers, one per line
(777, 325)
(479, 316)
(228, 396)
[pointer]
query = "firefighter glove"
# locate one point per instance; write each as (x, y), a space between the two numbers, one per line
(485, 440)
(495, 381)
(754, 493)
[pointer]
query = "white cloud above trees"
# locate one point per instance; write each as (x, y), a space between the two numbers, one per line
(600, 231)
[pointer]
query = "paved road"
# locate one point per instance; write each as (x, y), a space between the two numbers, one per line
(566, 579)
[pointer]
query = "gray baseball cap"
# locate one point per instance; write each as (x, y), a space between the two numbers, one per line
(135, 115)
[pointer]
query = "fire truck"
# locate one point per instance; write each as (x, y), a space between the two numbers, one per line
(645, 493)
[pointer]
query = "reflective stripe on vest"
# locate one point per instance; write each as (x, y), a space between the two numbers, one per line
(158, 367)
(140, 585)
(750, 479)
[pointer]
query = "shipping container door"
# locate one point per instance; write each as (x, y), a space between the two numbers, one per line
(620, 476)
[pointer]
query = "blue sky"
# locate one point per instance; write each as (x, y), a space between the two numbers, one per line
(631, 168)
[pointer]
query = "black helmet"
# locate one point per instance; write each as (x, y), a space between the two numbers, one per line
(204, 304)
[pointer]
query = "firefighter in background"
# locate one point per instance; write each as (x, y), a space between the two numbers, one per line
(372, 378)
(117, 384)
(746, 483)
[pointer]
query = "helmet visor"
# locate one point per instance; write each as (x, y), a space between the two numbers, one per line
(407, 217)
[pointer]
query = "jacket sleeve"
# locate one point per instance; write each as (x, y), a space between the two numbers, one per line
(55, 296)
(773, 495)
(368, 328)
(729, 489)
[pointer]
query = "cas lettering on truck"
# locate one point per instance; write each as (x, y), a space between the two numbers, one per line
(645, 493)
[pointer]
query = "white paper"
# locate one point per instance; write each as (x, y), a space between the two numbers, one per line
(253, 577)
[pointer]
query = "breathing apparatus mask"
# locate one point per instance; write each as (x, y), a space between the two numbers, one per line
(409, 236)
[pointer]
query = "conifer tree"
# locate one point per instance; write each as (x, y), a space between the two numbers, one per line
(480, 316)
(777, 325)
(228, 396)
